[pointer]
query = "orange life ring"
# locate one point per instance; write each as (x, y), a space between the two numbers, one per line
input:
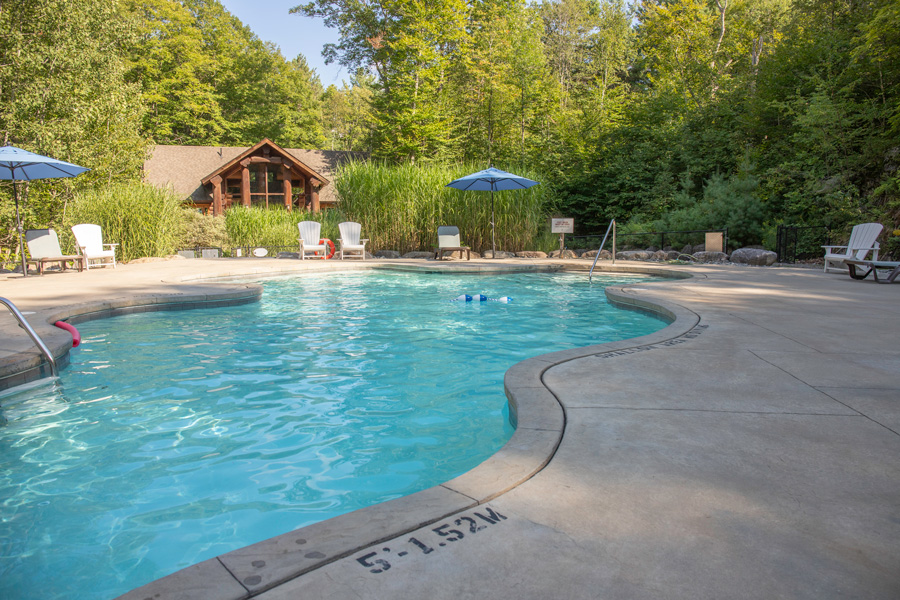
(330, 246)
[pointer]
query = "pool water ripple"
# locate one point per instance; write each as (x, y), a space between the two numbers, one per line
(175, 437)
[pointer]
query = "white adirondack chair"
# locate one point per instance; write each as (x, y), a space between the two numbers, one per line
(89, 241)
(862, 241)
(350, 242)
(43, 247)
(309, 239)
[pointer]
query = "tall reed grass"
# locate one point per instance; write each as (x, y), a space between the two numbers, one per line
(144, 220)
(252, 226)
(400, 207)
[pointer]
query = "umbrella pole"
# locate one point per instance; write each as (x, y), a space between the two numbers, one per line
(19, 227)
(493, 239)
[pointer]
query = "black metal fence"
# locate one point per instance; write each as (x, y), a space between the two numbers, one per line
(646, 239)
(795, 242)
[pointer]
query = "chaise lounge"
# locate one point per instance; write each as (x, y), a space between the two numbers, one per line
(43, 246)
(873, 266)
(448, 241)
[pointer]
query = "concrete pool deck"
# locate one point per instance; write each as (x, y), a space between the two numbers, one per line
(749, 450)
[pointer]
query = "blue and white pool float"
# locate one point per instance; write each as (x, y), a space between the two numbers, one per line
(480, 298)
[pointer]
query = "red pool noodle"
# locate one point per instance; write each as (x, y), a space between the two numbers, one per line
(76, 337)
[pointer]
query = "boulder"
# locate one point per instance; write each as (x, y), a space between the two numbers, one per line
(288, 255)
(565, 254)
(388, 254)
(531, 254)
(634, 255)
(687, 249)
(604, 255)
(710, 257)
(665, 255)
(499, 254)
(418, 254)
(754, 256)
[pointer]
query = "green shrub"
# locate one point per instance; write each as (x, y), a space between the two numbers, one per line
(144, 220)
(199, 230)
(726, 203)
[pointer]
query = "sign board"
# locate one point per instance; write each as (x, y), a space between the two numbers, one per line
(715, 242)
(562, 225)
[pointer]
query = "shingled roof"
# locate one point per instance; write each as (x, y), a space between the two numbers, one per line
(183, 167)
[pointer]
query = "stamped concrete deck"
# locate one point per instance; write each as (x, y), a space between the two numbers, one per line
(749, 450)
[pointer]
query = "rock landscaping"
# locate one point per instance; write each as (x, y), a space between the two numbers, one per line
(754, 256)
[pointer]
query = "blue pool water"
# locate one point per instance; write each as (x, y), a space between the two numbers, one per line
(174, 437)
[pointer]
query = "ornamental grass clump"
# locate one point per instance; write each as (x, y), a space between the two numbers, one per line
(400, 207)
(275, 227)
(144, 220)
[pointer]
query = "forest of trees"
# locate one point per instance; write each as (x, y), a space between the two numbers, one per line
(666, 113)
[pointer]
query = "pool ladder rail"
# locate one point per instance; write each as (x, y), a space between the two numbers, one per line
(612, 226)
(23, 323)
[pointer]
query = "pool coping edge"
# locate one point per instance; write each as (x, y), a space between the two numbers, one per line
(540, 418)
(541, 421)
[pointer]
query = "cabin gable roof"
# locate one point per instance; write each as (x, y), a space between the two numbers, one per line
(267, 147)
(185, 168)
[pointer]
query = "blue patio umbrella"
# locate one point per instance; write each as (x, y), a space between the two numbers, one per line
(493, 180)
(21, 165)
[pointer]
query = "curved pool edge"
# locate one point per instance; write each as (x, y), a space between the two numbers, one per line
(29, 366)
(540, 426)
(540, 418)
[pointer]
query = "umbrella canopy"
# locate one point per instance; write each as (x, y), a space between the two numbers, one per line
(492, 180)
(22, 165)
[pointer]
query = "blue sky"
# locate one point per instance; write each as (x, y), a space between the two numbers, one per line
(295, 34)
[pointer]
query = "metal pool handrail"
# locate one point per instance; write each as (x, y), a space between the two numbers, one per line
(612, 226)
(23, 323)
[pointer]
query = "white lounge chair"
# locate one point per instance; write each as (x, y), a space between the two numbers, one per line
(448, 241)
(862, 241)
(43, 247)
(350, 242)
(89, 241)
(310, 240)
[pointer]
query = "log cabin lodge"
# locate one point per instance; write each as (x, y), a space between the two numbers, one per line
(215, 178)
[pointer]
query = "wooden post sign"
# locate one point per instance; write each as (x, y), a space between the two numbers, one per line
(562, 227)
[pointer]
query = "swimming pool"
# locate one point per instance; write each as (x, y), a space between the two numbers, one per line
(175, 437)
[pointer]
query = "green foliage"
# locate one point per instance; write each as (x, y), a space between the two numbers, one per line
(346, 114)
(635, 110)
(144, 220)
(252, 226)
(400, 207)
(176, 75)
(63, 94)
(199, 230)
(727, 202)
(207, 79)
